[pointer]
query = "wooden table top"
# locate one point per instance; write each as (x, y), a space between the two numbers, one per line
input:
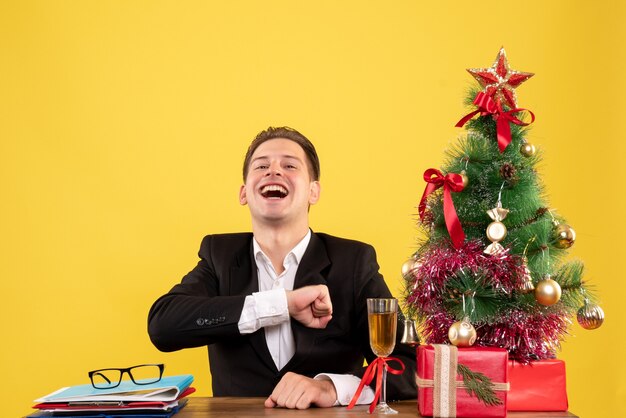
(227, 407)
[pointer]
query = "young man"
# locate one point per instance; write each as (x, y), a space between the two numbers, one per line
(282, 309)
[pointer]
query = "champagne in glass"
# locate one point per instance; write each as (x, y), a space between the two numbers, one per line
(382, 316)
(382, 332)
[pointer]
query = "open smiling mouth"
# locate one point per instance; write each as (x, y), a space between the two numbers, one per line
(274, 191)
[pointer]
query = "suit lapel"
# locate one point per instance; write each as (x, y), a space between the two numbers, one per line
(243, 273)
(311, 271)
(314, 261)
(244, 280)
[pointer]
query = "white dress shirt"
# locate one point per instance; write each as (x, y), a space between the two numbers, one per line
(268, 309)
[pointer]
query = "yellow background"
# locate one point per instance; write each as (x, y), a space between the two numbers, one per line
(123, 125)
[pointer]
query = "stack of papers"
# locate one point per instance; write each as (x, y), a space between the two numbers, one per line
(157, 400)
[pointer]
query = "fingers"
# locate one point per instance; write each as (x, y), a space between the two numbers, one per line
(322, 307)
(295, 391)
(323, 321)
(290, 393)
(304, 297)
(310, 305)
(318, 323)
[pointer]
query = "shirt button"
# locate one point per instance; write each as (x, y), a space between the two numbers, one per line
(273, 310)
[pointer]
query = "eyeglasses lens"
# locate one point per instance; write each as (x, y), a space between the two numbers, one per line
(146, 374)
(104, 379)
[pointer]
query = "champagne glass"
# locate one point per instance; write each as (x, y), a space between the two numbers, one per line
(382, 316)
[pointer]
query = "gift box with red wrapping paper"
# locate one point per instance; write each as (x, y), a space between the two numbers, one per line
(537, 386)
(441, 390)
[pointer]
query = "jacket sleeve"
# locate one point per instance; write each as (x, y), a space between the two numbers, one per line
(370, 284)
(196, 312)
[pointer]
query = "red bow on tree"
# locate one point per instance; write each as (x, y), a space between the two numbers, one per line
(487, 106)
(451, 182)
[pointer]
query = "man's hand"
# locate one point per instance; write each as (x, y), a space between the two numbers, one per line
(295, 391)
(310, 306)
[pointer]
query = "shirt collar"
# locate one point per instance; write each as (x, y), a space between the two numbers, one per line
(297, 251)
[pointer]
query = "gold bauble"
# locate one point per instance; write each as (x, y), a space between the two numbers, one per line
(462, 333)
(465, 179)
(409, 267)
(563, 236)
(496, 231)
(547, 292)
(590, 316)
(527, 149)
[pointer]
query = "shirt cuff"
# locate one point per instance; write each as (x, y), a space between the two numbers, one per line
(263, 309)
(346, 386)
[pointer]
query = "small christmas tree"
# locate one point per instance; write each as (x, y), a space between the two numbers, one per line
(491, 269)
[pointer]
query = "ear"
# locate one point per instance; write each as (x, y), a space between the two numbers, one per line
(243, 200)
(314, 192)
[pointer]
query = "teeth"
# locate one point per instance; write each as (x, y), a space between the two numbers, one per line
(274, 188)
(274, 191)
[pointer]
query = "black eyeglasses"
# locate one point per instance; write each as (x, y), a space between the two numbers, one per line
(143, 374)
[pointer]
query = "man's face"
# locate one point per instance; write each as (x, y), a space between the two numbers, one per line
(278, 185)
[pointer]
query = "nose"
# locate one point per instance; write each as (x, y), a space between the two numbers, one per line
(274, 169)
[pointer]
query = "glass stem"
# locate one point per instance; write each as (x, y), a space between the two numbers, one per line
(383, 399)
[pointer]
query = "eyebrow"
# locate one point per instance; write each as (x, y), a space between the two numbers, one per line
(266, 157)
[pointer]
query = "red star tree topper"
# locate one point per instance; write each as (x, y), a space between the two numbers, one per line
(500, 81)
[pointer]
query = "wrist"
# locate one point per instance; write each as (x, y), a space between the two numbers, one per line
(346, 386)
(328, 389)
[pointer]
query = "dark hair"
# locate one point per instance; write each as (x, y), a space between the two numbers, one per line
(285, 132)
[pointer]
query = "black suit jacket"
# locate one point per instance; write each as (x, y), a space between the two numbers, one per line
(205, 307)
